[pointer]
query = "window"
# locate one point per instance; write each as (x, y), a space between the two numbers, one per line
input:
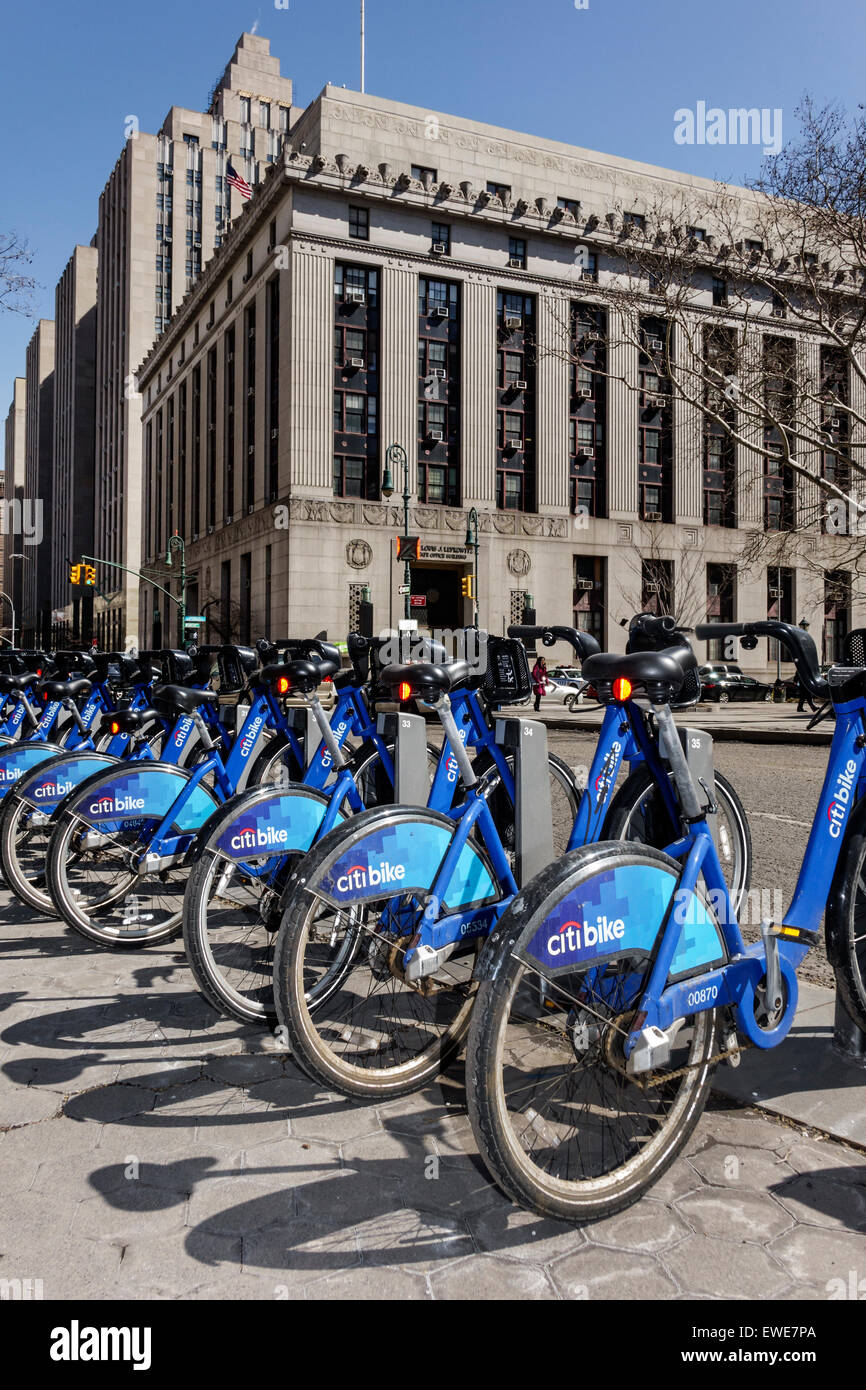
(499, 190)
(359, 224)
(423, 173)
(265, 115)
(219, 213)
(588, 264)
(651, 442)
(245, 110)
(753, 246)
(517, 252)
(284, 118)
(229, 291)
(510, 491)
(778, 307)
(220, 185)
(351, 477)
(190, 139)
(514, 369)
(441, 238)
(697, 233)
(635, 221)
(512, 430)
(720, 292)
(569, 205)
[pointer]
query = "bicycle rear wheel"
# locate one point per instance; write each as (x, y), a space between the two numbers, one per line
(563, 1127)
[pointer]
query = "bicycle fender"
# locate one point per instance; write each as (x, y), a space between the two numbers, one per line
(841, 888)
(264, 821)
(20, 758)
(140, 792)
(399, 848)
(46, 786)
(601, 903)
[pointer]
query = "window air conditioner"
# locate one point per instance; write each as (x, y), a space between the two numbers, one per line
(355, 362)
(653, 516)
(652, 588)
(655, 344)
(438, 373)
(586, 454)
(439, 248)
(518, 385)
(513, 321)
(435, 436)
(515, 263)
(355, 296)
(585, 584)
(440, 311)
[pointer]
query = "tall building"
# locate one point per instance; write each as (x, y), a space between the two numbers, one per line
(73, 480)
(36, 504)
(13, 490)
(165, 208)
(413, 278)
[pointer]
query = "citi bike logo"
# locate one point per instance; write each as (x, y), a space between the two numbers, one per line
(182, 732)
(574, 937)
(50, 790)
(107, 805)
(338, 734)
(842, 794)
(451, 768)
(254, 837)
(369, 876)
(605, 777)
(250, 736)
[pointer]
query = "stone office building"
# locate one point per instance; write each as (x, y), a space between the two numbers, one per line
(403, 277)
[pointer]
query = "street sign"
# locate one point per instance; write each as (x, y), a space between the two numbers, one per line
(418, 601)
(195, 621)
(404, 588)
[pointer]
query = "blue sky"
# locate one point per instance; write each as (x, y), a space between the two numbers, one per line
(609, 77)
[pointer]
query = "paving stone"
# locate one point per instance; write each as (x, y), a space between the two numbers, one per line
(746, 1128)
(818, 1199)
(810, 1156)
(69, 1267)
(339, 1120)
(291, 1161)
(390, 1153)
(521, 1235)
(596, 1273)
(131, 1212)
(42, 1142)
(486, 1277)
(736, 1214)
(679, 1179)
(704, 1265)
(365, 1283)
(417, 1240)
(815, 1255)
(648, 1227)
(22, 1105)
(730, 1166)
(298, 1252)
(457, 1186)
(161, 1266)
(245, 1070)
(237, 1206)
(111, 1103)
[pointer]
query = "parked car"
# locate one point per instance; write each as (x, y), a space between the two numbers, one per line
(721, 684)
(568, 692)
(569, 674)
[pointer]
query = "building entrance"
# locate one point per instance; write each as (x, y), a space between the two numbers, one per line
(440, 585)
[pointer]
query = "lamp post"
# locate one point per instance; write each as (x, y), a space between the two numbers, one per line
(176, 542)
(472, 539)
(396, 456)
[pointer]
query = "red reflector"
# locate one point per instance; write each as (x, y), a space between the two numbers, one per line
(283, 685)
(115, 728)
(622, 688)
(404, 691)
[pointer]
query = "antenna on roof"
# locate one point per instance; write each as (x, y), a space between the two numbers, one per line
(363, 46)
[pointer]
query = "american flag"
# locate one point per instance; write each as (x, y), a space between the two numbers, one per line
(235, 180)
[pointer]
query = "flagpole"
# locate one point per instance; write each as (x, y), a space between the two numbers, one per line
(363, 46)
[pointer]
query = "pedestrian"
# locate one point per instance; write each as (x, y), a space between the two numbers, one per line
(805, 698)
(539, 681)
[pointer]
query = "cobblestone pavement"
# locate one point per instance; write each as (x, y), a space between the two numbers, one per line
(150, 1150)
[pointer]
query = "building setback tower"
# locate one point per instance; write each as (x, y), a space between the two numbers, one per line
(13, 490)
(36, 505)
(163, 211)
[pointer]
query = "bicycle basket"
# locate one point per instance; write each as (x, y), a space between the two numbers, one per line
(507, 680)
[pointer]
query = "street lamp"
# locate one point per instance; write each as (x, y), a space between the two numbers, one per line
(396, 455)
(176, 542)
(472, 539)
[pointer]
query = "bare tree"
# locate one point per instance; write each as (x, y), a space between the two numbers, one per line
(16, 287)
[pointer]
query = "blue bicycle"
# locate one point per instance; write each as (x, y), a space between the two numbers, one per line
(619, 978)
(416, 891)
(247, 851)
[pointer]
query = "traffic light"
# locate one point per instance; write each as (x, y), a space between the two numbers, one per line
(408, 548)
(89, 574)
(75, 574)
(467, 586)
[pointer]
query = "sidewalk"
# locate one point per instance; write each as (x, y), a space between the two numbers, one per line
(746, 723)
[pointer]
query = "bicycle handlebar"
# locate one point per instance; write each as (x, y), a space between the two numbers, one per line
(798, 643)
(583, 643)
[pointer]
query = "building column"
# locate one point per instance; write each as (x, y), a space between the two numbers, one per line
(749, 463)
(622, 418)
(478, 394)
(810, 507)
(398, 390)
(552, 382)
(688, 450)
(311, 372)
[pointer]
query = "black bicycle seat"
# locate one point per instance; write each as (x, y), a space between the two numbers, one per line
(19, 682)
(660, 674)
(126, 721)
(426, 680)
(303, 677)
(65, 690)
(184, 699)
